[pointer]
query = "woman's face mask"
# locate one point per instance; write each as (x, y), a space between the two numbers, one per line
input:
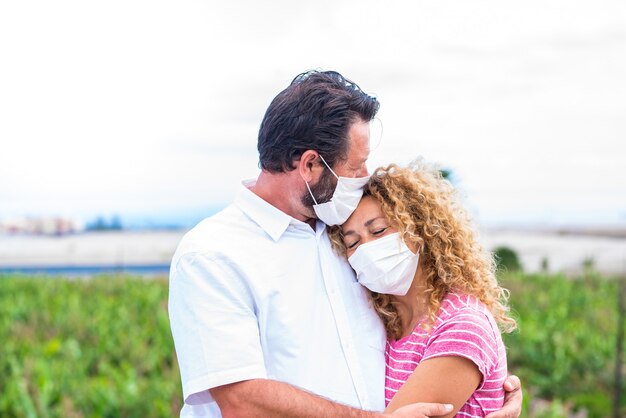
(382, 261)
(385, 265)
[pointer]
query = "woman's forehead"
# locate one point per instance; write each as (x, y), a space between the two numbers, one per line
(368, 209)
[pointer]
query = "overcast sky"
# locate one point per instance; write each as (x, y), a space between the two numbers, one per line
(147, 107)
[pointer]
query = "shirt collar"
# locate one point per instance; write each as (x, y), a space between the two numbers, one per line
(273, 220)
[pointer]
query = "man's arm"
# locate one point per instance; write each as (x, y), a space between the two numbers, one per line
(268, 398)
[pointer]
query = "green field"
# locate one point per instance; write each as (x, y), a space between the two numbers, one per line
(564, 350)
(90, 348)
(102, 347)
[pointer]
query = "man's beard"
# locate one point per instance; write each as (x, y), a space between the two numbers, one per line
(323, 190)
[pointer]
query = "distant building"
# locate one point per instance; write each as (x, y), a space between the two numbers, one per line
(41, 226)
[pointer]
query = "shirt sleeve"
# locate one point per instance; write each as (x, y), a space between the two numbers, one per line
(214, 325)
(466, 333)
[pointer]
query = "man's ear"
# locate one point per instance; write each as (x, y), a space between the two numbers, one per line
(308, 166)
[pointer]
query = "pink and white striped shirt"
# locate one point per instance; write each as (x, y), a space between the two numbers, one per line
(464, 327)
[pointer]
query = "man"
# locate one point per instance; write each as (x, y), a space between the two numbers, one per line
(267, 320)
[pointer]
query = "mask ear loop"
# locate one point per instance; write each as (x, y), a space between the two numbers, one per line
(327, 166)
(420, 247)
(310, 192)
(307, 183)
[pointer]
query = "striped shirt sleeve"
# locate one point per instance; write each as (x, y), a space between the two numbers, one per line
(465, 333)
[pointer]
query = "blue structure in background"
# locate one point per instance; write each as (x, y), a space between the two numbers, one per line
(88, 270)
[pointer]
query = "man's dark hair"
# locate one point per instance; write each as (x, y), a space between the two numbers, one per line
(314, 113)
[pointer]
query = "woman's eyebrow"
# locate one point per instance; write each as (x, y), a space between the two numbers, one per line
(368, 223)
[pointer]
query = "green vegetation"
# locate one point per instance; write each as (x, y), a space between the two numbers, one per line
(507, 260)
(102, 347)
(86, 348)
(564, 350)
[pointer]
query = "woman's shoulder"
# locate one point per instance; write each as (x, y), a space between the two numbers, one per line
(467, 325)
(459, 306)
(460, 301)
(465, 328)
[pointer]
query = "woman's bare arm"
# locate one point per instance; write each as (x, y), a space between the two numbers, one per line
(450, 380)
(268, 398)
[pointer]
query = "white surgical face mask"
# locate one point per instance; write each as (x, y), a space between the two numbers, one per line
(345, 199)
(385, 265)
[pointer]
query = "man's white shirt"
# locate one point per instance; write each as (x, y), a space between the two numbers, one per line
(255, 293)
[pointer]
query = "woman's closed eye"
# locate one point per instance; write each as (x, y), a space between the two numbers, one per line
(351, 244)
(379, 231)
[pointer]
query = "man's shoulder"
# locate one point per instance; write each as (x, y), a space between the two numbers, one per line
(214, 232)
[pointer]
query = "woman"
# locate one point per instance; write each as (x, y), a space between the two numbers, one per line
(434, 288)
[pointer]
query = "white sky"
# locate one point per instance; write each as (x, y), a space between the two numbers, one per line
(152, 106)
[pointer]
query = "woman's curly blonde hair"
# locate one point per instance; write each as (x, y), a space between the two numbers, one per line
(423, 206)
